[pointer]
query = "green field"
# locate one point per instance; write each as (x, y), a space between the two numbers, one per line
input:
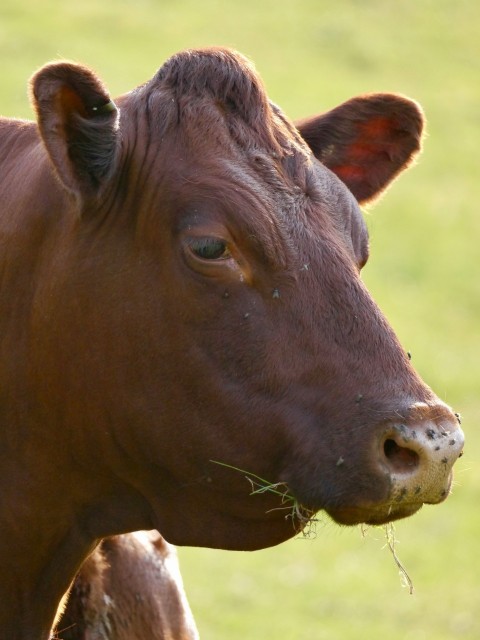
(424, 272)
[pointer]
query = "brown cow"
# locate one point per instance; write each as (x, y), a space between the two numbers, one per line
(180, 284)
(129, 588)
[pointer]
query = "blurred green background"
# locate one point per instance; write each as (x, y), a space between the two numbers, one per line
(424, 273)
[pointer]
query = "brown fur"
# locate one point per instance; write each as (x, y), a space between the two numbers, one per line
(129, 588)
(129, 361)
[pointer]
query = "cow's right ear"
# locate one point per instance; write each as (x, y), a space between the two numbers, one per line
(78, 123)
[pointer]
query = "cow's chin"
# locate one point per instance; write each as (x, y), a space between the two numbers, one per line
(254, 524)
(231, 535)
(258, 522)
(243, 534)
(224, 532)
(372, 515)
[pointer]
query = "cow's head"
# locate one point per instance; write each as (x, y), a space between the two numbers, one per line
(205, 304)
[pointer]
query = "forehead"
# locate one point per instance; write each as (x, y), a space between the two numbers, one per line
(251, 195)
(212, 149)
(213, 102)
(285, 202)
(228, 149)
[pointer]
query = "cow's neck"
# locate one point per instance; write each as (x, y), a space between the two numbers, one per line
(42, 549)
(34, 581)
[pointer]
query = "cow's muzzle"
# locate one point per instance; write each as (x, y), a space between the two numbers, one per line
(419, 455)
(416, 456)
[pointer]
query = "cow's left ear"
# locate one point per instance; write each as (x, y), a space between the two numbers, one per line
(366, 141)
(78, 123)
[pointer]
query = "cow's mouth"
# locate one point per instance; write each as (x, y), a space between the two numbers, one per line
(399, 505)
(371, 515)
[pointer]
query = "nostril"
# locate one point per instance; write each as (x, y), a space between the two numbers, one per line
(400, 459)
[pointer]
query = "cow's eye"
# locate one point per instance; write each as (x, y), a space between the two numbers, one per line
(209, 248)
